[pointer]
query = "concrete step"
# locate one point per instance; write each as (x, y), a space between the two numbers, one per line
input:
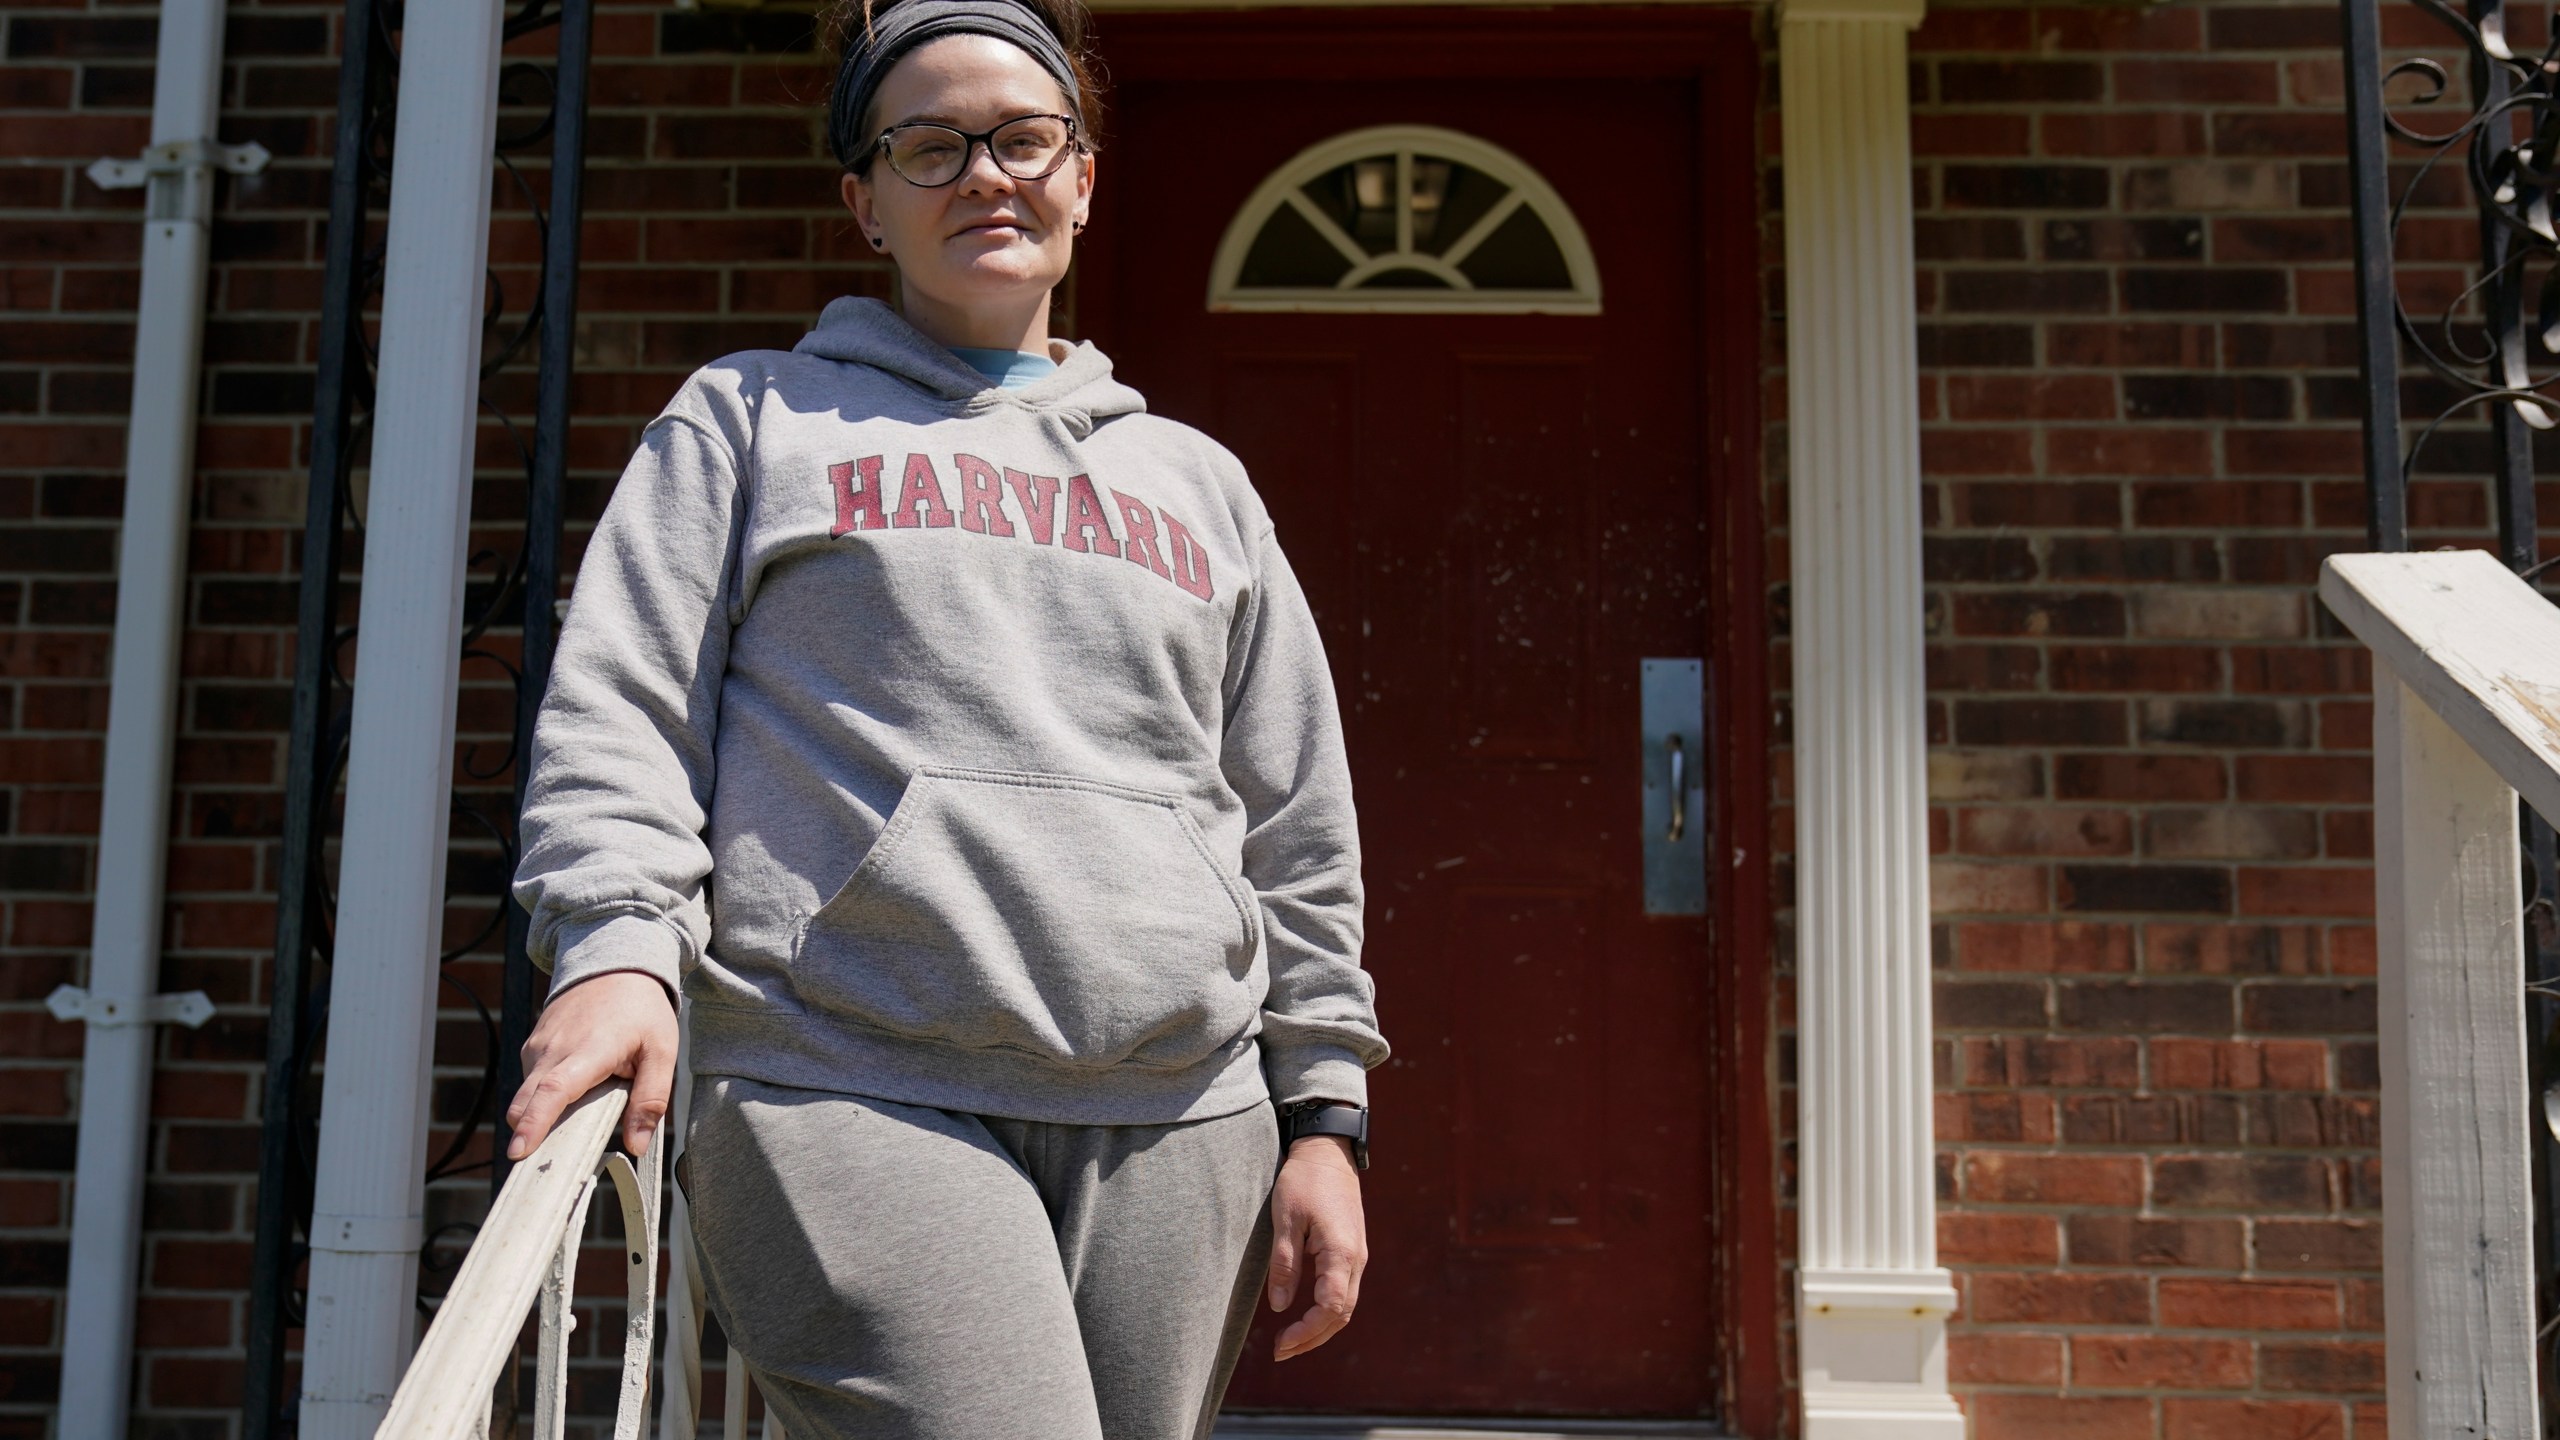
(1381, 1427)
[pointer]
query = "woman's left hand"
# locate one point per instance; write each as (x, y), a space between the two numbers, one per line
(1317, 1231)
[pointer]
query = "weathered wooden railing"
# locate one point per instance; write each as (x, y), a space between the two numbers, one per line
(527, 1253)
(2466, 718)
(527, 1249)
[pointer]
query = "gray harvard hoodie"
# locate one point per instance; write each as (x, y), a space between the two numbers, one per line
(952, 745)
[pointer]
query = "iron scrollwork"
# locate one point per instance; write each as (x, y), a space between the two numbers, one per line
(2489, 361)
(517, 590)
(2476, 347)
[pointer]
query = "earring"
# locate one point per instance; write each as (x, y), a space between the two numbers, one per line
(1079, 228)
(878, 244)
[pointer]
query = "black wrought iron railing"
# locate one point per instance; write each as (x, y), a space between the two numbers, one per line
(2466, 382)
(543, 108)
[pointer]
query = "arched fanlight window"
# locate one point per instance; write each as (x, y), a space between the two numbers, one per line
(1406, 219)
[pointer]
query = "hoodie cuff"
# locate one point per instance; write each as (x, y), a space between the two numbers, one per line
(1314, 1072)
(624, 940)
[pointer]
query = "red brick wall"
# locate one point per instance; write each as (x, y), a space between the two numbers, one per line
(2154, 900)
(2156, 1119)
(76, 85)
(711, 226)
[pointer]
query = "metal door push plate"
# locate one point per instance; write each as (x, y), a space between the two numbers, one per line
(1674, 767)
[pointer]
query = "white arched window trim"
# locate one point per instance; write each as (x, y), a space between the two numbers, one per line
(1528, 187)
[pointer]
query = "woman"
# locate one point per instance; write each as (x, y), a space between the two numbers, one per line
(952, 735)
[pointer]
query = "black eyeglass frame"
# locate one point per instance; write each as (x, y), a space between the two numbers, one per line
(969, 143)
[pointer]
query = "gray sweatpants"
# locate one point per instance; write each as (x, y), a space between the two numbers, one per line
(892, 1272)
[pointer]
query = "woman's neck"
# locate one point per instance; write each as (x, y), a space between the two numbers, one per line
(979, 327)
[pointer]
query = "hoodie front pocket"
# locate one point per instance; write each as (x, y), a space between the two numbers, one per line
(1079, 920)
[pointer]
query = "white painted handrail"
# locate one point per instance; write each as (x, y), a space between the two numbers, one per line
(528, 1249)
(2466, 718)
(526, 1256)
(2480, 646)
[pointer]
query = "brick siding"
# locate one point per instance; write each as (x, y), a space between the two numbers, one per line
(711, 225)
(2156, 1110)
(2151, 825)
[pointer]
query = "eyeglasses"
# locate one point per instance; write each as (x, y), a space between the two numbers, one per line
(1026, 147)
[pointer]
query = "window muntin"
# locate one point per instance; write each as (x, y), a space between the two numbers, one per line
(1405, 219)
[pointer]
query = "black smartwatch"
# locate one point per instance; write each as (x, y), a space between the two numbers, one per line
(1327, 1117)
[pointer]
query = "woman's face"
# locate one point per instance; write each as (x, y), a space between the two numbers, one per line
(985, 239)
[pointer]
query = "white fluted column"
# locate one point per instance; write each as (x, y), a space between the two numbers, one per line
(1873, 1300)
(373, 1109)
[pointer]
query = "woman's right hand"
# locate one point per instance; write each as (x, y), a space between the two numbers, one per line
(622, 1023)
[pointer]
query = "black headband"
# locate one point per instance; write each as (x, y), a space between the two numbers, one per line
(868, 54)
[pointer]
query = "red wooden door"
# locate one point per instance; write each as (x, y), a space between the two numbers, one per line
(1496, 517)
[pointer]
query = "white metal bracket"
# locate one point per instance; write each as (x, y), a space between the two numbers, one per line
(180, 174)
(71, 1002)
(177, 157)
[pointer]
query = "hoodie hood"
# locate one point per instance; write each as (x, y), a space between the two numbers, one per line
(863, 331)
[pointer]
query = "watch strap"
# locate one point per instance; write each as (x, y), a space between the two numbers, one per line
(1328, 1117)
